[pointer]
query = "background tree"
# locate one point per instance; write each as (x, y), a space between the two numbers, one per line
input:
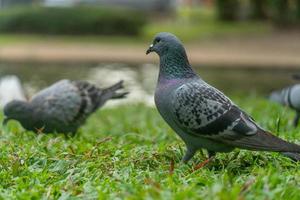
(298, 9)
(258, 9)
(227, 10)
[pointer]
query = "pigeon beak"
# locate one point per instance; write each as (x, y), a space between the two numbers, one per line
(5, 121)
(150, 49)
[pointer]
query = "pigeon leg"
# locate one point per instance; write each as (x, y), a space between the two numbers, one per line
(188, 155)
(211, 155)
(296, 119)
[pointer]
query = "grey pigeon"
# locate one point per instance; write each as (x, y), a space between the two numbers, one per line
(289, 96)
(202, 115)
(62, 107)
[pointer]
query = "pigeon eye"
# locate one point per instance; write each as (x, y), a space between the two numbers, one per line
(157, 40)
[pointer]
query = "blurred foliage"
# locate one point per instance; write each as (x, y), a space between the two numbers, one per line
(298, 9)
(193, 23)
(285, 12)
(228, 17)
(72, 20)
(258, 11)
(280, 12)
(227, 9)
(188, 23)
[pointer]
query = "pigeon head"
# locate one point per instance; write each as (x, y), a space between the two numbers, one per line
(165, 43)
(17, 110)
(173, 59)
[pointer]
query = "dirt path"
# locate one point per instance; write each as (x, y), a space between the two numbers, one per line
(278, 50)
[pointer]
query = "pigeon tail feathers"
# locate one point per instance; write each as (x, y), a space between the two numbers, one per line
(111, 92)
(294, 156)
(265, 141)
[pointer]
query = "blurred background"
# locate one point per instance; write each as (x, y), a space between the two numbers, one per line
(244, 47)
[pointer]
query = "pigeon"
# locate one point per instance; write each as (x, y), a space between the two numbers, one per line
(289, 96)
(202, 116)
(63, 107)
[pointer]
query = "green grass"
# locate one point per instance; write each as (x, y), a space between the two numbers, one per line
(126, 153)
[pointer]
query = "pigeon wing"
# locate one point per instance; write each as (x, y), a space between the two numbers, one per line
(89, 99)
(59, 103)
(203, 111)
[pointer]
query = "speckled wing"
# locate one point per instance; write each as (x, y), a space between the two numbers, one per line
(59, 103)
(90, 99)
(202, 110)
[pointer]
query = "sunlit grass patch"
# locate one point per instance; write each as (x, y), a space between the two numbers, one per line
(126, 152)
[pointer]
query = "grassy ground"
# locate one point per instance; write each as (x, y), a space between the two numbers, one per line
(127, 153)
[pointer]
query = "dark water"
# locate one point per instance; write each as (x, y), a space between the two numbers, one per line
(141, 79)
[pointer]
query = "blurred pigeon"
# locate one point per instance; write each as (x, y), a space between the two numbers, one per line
(202, 115)
(289, 96)
(62, 107)
(10, 89)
